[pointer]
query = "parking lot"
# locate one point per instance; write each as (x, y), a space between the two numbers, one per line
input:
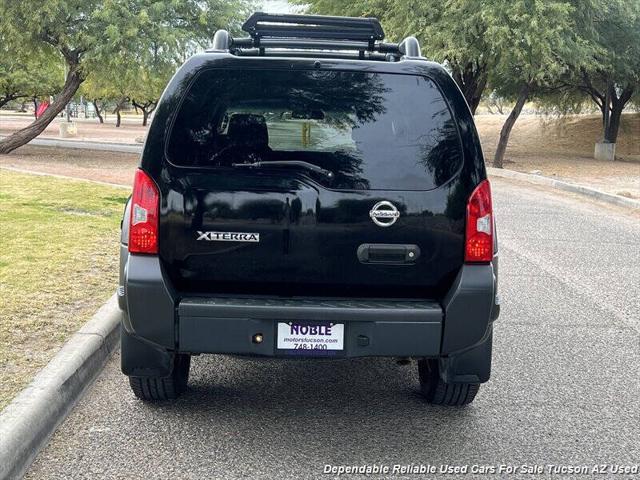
(565, 387)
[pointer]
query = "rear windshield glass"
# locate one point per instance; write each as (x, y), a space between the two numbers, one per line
(346, 130)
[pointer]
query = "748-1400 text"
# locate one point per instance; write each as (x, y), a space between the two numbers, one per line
(306, 346)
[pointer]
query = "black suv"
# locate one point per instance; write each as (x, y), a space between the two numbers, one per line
(310, 191)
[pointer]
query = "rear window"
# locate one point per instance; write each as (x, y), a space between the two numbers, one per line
(346, 130)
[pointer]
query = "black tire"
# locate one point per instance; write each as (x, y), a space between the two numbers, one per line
(437, 392)
(153, 389)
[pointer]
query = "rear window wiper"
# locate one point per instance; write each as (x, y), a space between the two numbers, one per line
(287, 163)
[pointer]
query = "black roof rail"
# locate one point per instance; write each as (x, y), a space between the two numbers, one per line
(264, 25)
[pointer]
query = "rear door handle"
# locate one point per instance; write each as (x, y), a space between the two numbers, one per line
(388, 253)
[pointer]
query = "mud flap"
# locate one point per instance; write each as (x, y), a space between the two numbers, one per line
(469, 366)
(143, 359)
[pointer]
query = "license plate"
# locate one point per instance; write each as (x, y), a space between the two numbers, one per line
(322, 336)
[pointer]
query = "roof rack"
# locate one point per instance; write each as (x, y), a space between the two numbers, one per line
(290, 34)
(262, 25)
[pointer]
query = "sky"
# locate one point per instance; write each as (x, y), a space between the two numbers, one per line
(277, 6)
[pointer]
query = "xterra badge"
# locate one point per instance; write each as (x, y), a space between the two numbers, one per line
(228, 236)
(384, 214)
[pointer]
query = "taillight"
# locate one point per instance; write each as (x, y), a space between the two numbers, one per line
(478, 247)
(143, 223)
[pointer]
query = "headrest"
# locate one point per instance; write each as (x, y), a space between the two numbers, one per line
(248, 130)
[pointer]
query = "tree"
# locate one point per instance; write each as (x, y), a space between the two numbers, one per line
(452, 32)
(495, 101)
(136, 83)
(612, 75)
(106, 88)
(538, 42)
(67, 27)
(356, 8)
(86, 33)
(609, 75)
(151, 80)
(94, 90)
(27, 73)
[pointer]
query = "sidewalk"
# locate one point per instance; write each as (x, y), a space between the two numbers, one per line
(89, 130)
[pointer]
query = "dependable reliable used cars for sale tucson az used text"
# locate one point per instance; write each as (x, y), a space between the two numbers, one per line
(310, 191)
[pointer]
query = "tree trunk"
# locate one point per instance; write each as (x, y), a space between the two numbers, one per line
(498, 159)
(473, 97)
(119, 106)
(7, 98)
(28, 133)
(35, 107)
(610, 104)
(611, 135)
(146, 109)
(96, 108)
(471, 80)
(614, 117)
(607, 112)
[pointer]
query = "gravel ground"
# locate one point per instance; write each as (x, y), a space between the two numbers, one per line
(562, 148)
(111, 167)
(564, 391)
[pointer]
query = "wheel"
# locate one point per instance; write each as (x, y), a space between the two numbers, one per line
(437, 392)
(163, 388)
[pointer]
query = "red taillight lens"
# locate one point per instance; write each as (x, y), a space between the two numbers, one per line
(478, 246)
(143, 223)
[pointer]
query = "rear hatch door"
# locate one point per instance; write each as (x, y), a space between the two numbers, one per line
(323, 183)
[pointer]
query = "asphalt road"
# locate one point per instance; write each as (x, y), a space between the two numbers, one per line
(565, 387)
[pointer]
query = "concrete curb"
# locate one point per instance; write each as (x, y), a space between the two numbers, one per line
(566, 186)
(27, 423)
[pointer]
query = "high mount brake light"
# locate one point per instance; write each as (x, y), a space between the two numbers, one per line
(143, 223)
(478, 247)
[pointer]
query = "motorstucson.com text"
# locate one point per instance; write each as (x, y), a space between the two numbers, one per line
(499, 469)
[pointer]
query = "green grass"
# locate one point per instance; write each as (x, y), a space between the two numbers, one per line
(58, 264)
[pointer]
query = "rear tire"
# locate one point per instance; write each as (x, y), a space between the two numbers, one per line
(437, 392)
(153, 389)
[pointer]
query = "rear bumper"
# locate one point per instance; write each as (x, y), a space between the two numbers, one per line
(158, 317)
(228, 325)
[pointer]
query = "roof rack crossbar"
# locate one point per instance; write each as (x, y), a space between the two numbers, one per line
(242, 43)
(254, 52)
(261, 25)
(315, 44)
